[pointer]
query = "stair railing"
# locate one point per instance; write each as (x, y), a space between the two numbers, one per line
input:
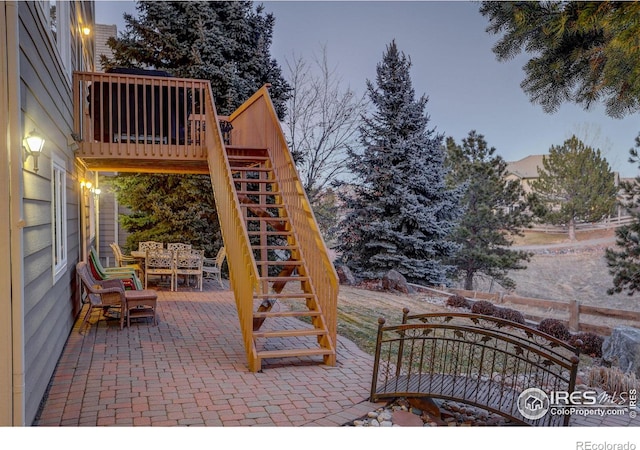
(242, 267)
(258, 115)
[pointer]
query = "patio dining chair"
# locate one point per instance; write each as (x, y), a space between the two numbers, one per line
(149, 245)
(212, 268)
(189, 263)
(175, 246)
(161, 262)
(104, 294)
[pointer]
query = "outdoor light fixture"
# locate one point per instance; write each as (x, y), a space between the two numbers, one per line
(86, 31)
(32, 145)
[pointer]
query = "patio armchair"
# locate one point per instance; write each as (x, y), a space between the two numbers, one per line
(189, 263)
(126, 261)
(104, 294)
(160, 262)
(212, 268)
(99, 272)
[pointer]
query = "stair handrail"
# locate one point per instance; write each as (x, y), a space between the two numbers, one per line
(243, 274)
(310, 240)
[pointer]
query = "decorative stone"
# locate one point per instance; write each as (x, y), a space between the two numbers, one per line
(386, 423)
(427, 405)
(372, 414)
(622, 349)
(395, 281)
(384, 416)
(406, 419)
(346, 276)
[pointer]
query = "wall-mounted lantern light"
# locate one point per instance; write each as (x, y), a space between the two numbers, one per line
(33, 144)
(86, 31)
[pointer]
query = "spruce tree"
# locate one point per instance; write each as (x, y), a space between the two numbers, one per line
(227, 43)
(493, 211)
(399, 211)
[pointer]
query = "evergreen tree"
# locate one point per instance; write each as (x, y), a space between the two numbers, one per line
(227, 43)
(399, 212)
(583, 52)
(493, 211)
(624, 262)
(575, 184)
(168, 208)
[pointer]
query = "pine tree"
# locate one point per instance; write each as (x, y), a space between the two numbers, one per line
(575, 184)
(399, 211)
(168, 208)
(493, 211)
(624, 260)
(227, 43)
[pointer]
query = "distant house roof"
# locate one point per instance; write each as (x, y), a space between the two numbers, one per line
(526, 167)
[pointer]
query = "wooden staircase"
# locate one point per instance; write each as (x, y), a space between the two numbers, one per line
(282, 271)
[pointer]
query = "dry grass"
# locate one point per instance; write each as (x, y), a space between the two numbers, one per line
(549, 238)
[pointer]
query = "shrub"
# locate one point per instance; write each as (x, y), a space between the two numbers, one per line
(483, 307)
(612, 379)
(509, 314)
(591, 343)
(555, 328)
(458, 301)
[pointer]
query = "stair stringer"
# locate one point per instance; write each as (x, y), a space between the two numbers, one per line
(243, 275)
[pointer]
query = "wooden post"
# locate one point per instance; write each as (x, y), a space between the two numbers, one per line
(574, 315)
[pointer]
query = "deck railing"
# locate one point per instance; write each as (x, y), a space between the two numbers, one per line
(139, 117)
(242, 267)
(258, 115)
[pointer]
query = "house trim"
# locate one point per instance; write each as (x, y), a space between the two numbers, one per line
(12, 376)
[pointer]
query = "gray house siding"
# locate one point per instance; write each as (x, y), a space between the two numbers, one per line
(50, 306)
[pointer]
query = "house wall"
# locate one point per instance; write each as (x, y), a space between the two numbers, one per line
(51, 304)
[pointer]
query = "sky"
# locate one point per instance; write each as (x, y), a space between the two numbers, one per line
(452, 64)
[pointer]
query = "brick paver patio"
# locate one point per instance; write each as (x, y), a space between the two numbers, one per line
(191, 369)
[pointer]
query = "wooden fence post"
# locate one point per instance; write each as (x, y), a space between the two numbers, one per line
(574, 315)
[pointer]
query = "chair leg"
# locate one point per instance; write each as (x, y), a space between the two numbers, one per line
(86, 318)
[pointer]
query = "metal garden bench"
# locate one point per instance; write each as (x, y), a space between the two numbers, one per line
(478, 360)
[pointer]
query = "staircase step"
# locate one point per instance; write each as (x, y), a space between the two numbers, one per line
(280, 263)
(243, 192)
(251, 158)
(274, 247)
(271, 233)
(277, 279)
(294, 353)
(288, 333)
(254, 180)
(267, 219)
(291, 295)
(266, 315)
(251, 169)
(261, 205)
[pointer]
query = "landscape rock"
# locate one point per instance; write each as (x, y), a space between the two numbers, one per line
(407, 419)
(346, 276)
(395, 281)
(622, 349)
